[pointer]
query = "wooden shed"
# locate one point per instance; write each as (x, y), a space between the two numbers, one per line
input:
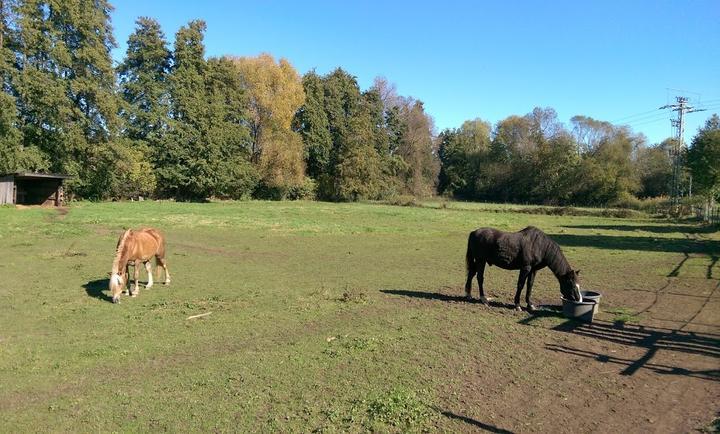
(25, 188)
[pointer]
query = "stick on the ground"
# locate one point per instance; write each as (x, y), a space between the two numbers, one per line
(198, 316)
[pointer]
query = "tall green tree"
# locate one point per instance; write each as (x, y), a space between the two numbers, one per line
(65, 87)
(143, 76)
(359, 174)
(143, 87)
(312, 123)
(342, 100)
(704, 159)
(461, 152)
(654, 167)
(9, 135)
(206, 149)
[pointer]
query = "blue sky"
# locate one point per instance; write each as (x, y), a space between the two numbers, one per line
(617, 61)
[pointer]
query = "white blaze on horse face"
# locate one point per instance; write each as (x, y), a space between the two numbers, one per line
(577, 287)
(117, 280)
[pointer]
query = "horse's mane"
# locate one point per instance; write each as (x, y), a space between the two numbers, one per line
(119, 251)
(555, 258)
(553, 255)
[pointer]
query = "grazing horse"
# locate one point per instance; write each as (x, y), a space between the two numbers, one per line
(134, 247)
(528, 250)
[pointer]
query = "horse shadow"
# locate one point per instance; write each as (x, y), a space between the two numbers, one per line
(472, 422)
(96, 288)
(439, 296)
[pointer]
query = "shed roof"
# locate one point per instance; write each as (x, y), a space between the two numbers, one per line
(31, 175)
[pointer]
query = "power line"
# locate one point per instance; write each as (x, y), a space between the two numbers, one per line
(632, 116)
(646, 118)
(648, 122)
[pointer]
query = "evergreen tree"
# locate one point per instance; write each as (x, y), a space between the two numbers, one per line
(183, 168)
(342, 100)
(65, 84)
(9, 136)
(143, 83)
(205, 150)
(312, 123)
(358, 174)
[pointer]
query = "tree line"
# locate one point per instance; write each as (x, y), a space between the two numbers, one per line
(169, 122)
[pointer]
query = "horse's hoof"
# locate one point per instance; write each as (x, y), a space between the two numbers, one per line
(485, 300)
(134, 294)
(518, 308)
(531, 308)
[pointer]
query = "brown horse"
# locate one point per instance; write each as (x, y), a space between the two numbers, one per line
(135, 247)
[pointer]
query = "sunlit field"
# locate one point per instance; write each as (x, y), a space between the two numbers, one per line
(350, 317)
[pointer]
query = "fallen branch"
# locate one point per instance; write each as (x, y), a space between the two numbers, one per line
(198, 316)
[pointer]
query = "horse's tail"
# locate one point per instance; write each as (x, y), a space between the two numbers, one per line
(469, 258)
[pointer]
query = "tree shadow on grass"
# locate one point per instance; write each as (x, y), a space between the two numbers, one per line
(652, 339)
(96, 288)
(659, 229)
(648, 244)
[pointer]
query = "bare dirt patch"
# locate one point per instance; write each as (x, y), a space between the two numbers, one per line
(659, 373)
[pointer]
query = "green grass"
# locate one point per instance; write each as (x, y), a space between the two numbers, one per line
(305, 331)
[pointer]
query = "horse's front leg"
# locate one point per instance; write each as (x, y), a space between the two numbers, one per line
(126, 279)
(524, 272)
(481, 281)
(148, 268)
(136, 275)
(530, 282)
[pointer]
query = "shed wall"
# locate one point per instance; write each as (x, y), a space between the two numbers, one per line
(6, 190)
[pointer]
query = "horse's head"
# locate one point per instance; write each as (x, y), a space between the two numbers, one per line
(570, 285)
(117, 283)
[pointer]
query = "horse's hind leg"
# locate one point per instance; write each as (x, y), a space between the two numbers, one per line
(524, 272)
(468, 283)
(148, 268)
(160, 262)
(530, 282)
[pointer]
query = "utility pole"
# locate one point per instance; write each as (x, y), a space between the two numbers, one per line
(681, 107)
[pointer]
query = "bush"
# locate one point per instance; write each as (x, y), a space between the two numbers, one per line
(403, 200)
(303, 191)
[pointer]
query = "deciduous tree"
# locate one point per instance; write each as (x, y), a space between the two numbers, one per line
(274, 93)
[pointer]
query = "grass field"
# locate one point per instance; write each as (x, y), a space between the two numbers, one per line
(349, 317)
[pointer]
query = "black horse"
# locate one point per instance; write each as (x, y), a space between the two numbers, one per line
(528, 251)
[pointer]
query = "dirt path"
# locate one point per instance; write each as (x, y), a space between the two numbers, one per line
(661, 374)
